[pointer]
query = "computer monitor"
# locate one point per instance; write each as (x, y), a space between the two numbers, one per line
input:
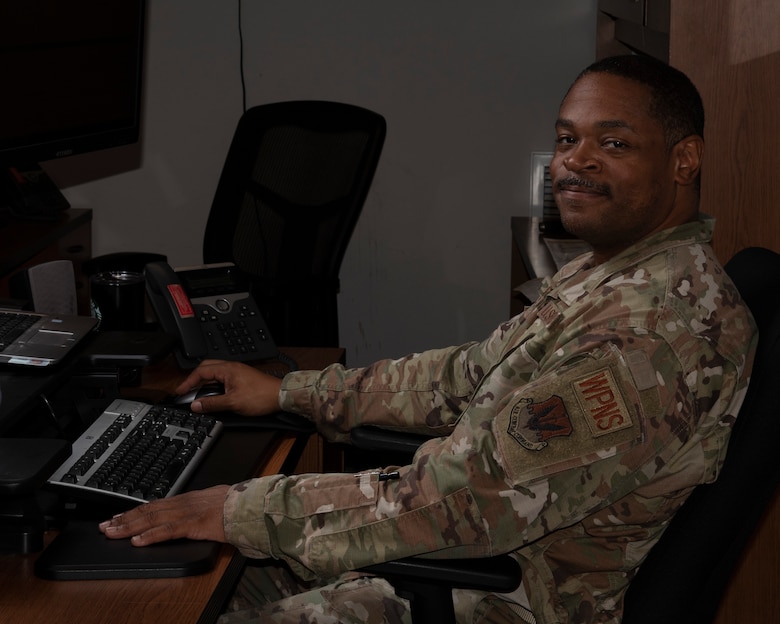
(71, 81)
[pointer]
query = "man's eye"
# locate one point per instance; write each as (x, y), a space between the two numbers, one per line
(565, 140)
(617, 144)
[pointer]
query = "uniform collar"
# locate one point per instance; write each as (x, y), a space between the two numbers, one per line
(579, 276)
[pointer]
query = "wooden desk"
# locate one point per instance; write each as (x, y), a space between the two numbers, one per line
(195, 599)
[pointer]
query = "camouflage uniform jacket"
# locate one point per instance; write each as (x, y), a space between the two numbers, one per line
(570, 436)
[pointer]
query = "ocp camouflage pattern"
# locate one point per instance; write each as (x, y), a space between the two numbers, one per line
(569, 437)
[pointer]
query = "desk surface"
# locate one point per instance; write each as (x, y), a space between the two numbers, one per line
(29, 599)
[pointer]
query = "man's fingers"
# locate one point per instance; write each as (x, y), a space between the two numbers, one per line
(135, 522)
(195, 515)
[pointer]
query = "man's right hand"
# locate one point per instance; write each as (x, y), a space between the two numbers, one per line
(248, 391)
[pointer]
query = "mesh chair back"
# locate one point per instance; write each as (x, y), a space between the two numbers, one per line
(291, 191)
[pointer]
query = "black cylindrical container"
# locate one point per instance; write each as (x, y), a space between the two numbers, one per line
(118, 300)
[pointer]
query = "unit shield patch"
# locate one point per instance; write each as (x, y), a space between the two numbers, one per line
(532, 424)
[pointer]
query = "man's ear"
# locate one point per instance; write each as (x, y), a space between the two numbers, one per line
(688, 154)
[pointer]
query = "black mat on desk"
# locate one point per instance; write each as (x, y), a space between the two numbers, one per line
(81, 552)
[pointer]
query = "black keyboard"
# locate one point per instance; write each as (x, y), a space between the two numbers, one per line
(13, 325)
(137, 452)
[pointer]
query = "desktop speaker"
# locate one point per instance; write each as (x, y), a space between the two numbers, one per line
(49, 288)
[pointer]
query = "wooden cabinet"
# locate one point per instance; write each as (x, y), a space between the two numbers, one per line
(27, 243)
(642, 25)
(731, 51)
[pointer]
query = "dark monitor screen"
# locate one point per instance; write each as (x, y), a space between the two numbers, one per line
(71, 77)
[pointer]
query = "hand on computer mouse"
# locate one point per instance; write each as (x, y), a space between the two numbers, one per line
(206, 390)
(247, 391)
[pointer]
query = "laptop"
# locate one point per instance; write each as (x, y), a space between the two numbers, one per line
(39, 340)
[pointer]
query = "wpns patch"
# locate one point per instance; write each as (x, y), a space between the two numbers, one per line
(532, 424)
(600, 398)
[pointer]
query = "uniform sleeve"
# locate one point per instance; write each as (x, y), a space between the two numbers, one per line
(425, 392)
(573, 440)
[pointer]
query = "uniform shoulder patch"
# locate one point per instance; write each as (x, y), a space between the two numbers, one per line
(602, 402)
(573, 416)
(532, 424)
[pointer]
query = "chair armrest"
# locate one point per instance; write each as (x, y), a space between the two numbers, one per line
(427, 583)
(370, 438)
(500, 574)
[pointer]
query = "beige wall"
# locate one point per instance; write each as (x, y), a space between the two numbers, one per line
(469, 90)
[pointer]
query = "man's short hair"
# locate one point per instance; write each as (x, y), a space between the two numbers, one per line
(674, 100)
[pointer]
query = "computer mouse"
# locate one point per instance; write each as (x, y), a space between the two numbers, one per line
(206, 390)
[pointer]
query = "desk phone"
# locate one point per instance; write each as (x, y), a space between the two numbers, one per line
(210, 310)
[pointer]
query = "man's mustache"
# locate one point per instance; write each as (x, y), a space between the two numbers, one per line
(572, 181)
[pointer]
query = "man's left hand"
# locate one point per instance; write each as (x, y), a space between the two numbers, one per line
(194, 515)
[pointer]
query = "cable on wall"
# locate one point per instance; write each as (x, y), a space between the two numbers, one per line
(241, 58)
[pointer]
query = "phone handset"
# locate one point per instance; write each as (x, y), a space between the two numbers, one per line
(174, 309)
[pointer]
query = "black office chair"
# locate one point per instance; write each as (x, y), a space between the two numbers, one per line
(684, 576)
(292, 187)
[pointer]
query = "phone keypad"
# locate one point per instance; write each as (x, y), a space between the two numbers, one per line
(233, 337)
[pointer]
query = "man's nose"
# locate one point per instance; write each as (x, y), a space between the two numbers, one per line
(581, 157)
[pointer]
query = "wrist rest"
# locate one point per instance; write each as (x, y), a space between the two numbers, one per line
(82, 552)
(279, 421)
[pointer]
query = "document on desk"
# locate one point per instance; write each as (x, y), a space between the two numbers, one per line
(564, 250)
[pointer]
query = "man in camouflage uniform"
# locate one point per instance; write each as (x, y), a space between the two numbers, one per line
(569, 437)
